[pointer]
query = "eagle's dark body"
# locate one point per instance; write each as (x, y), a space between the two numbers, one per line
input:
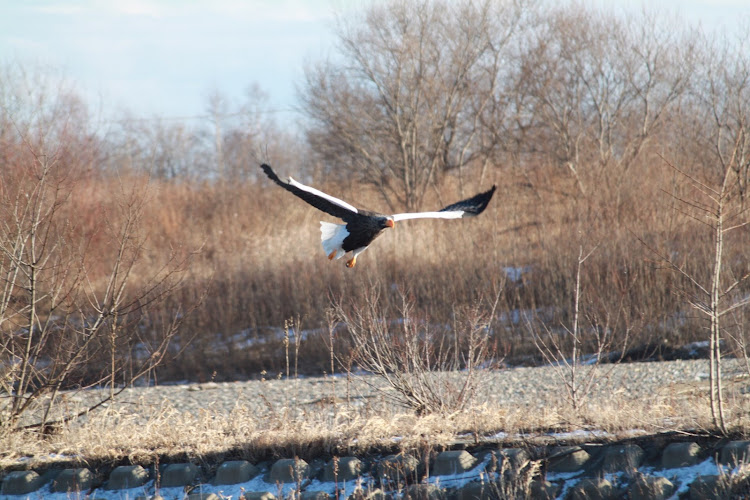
(363, 228)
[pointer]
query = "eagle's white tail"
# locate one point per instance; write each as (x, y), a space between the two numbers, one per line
(332, 236)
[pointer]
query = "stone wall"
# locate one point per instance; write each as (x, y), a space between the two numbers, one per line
(646, 469)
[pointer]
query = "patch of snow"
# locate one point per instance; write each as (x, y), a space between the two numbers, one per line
(460, 479)
(683, 476)
(499, 435)
(98, 494)
(514, 273)
(344, 489)
(580, 434)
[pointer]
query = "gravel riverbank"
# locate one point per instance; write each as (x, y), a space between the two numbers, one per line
(516, 387)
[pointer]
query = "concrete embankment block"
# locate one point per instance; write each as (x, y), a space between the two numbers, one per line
(593, 489)
(516, 457)
(343, 469)
(72, 480)
(568, 459)
(543, 490)
(21, 482)
(424, 492)
(127, 476)
(453, 462)
(622, 458)
(289, 470)
(235, 471)
(709, 488)
(680, 455)
(179, 475)
(735, 453)
(475, 490)
(398, 468)
(650, 488)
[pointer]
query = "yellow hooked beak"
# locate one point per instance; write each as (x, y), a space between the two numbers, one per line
(390, 223)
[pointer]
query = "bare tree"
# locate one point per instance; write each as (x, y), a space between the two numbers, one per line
(717, 200)
(601, 94)
(244, 133)
(721, 210)
(430, 369)
(577, 351)
(218, 108)
(162, 149)
(69, 318)
(715, 181)
(402, 104)
(59, 321)
(721, 101)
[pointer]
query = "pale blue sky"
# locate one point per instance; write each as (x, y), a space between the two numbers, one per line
(161, 57)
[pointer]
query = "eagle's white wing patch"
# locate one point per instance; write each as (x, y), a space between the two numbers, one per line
(428, 215)
(328, 197)
(332, 237)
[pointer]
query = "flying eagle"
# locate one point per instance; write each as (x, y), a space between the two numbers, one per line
(362, 227)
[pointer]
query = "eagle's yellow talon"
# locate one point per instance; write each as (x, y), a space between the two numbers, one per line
(332, 255)
(351, 262)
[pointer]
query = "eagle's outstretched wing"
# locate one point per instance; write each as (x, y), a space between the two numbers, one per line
(318, 199)
(469, 207)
